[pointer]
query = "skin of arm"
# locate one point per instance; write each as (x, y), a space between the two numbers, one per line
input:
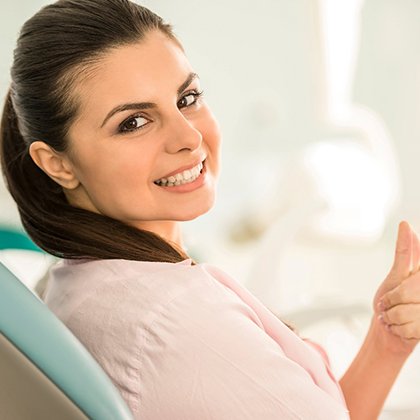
(369, 378)
(393, 333)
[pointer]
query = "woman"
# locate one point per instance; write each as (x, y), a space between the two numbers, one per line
(107, 144)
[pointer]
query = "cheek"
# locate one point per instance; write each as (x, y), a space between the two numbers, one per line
(110, 168)
(117, 185)
(210, 130)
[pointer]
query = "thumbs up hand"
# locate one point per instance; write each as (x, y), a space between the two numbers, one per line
(397, 302)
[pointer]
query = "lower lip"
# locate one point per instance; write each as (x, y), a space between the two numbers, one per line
(191, 186)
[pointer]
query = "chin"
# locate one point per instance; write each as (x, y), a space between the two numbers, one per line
(192, 214)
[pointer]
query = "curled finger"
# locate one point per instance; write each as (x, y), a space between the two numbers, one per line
(409, 330)
(402, 314)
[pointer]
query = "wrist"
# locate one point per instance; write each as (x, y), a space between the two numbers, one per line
(369, 378)
(378, 342)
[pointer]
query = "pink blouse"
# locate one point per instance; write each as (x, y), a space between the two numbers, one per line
(188, 342)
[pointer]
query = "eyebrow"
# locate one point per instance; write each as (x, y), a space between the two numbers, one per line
(147, 105)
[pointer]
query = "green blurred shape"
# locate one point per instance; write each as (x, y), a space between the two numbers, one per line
(15, 239)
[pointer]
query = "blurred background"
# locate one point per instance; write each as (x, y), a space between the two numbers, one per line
(319, 104)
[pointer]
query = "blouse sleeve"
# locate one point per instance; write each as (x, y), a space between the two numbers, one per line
(205, 357)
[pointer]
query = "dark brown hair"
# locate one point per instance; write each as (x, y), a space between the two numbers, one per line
(55, 46)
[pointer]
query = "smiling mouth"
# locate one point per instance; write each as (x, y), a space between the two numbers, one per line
(181, 178)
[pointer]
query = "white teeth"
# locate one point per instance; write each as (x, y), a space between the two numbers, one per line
(184, 177)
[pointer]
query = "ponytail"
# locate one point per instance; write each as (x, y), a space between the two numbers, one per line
(13, 147)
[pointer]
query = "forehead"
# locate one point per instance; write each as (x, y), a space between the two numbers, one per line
(139, 71)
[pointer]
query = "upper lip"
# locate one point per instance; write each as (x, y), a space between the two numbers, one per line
(183, 168)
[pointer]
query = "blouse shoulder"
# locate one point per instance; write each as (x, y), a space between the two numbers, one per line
(146, 323)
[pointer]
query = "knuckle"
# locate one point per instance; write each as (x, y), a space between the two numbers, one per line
(402, 250)
(386, 303)
(394, 329)
(394, 316)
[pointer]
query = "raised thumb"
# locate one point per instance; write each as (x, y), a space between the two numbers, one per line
(403, 253)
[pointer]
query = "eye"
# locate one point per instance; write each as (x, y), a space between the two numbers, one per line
(189, 99)
(133, 123)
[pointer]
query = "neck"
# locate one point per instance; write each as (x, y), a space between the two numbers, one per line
(167, 229)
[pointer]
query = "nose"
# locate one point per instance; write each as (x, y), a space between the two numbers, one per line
(183, 135)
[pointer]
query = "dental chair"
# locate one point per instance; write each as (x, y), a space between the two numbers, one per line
(45, 372)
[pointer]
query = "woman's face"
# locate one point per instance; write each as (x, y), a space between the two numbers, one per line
(145, 146)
